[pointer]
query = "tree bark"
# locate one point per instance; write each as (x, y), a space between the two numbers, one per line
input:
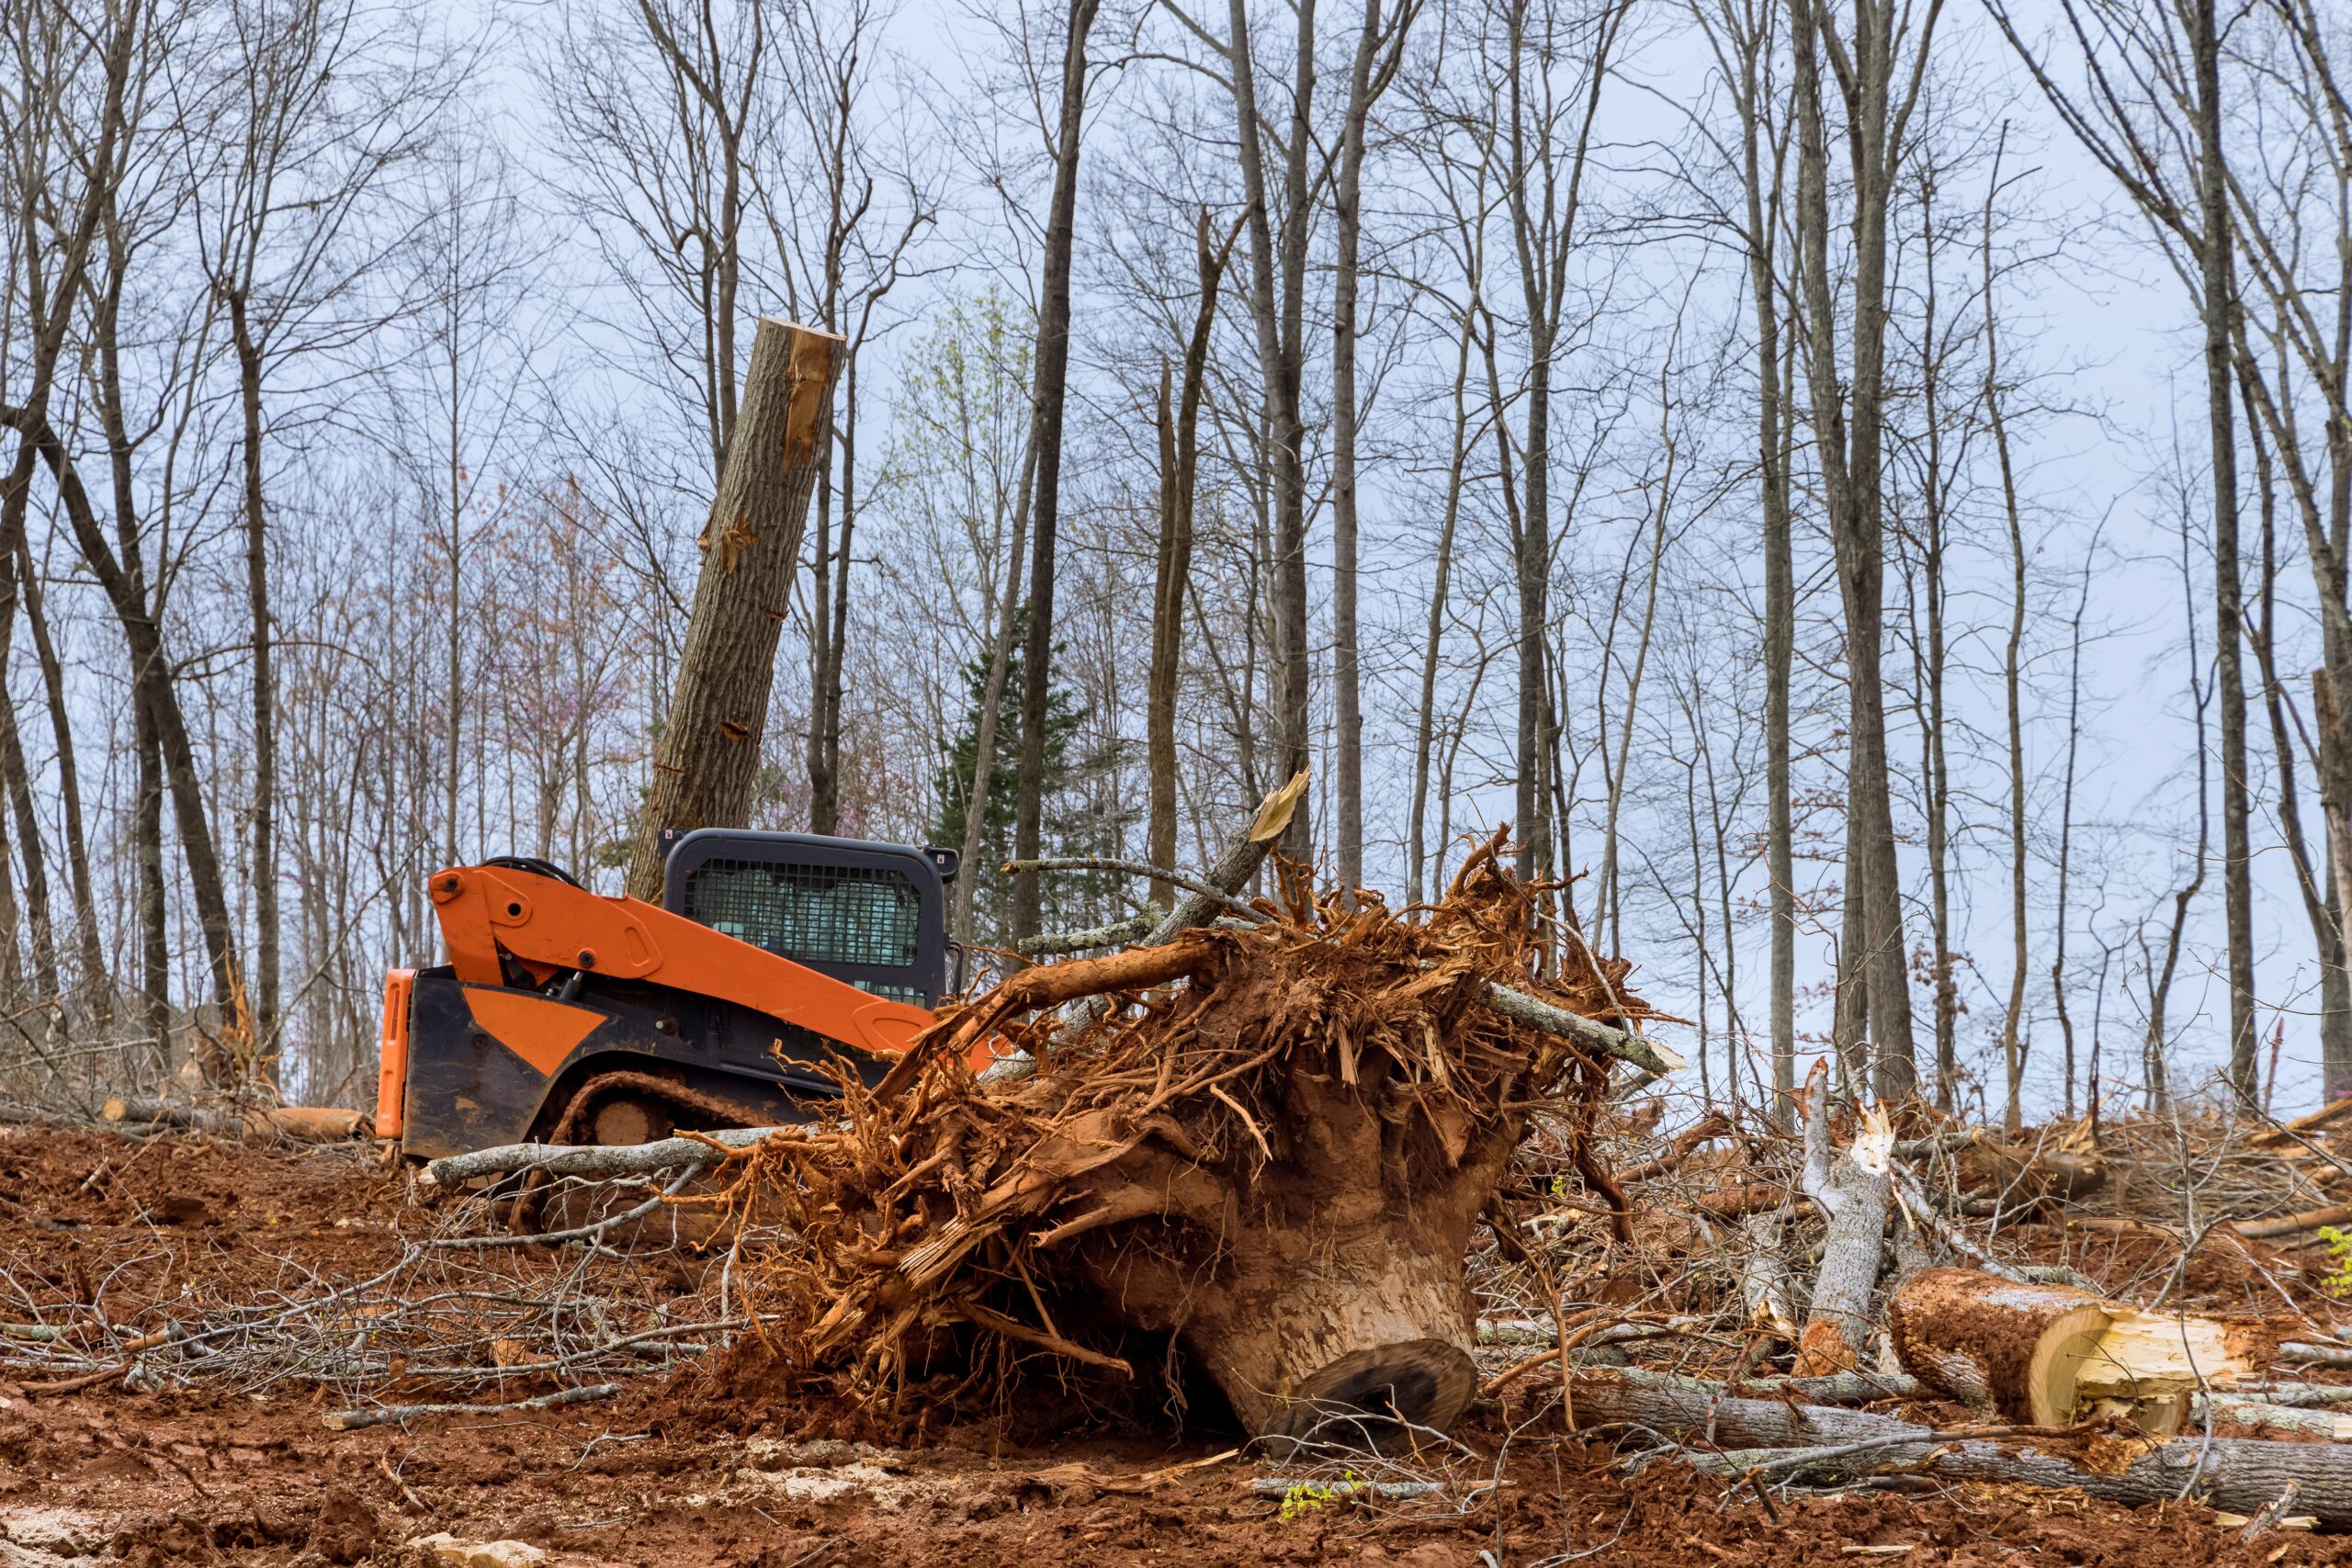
(2240, 1474)
(262, 996)
(1180, 451)
(48, 984)
(151, 674)
(1045, 522)
(92, 983)
(2012, 676)
(1277, 307)
(1849, 454)
(709, 747)
(1425, 723)
(1367, 76)
(2216, 308)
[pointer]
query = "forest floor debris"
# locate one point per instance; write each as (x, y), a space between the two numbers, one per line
(213, 1349)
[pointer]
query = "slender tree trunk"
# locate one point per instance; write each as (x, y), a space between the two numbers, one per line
(1053, 385)
(1366, 80)
(1277, 310)
(261, 998)
(1424, 729)
(1172, 572)
(2012, 670)
(97, 991)
(831, 635)
(2067, 828)
(2237, 885)
(1850, 465)
(48, 985)
(1780, 574)
(985, 742)
(454, 732)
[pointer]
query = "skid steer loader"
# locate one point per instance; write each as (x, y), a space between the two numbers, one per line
(565, 1016)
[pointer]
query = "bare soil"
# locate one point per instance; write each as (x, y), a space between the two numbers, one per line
(721, 1462)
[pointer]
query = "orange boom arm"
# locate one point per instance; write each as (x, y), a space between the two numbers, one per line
(549, 926)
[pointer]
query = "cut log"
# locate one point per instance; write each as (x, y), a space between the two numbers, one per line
(2292, 1225)
(2325, 1116)
(2048, 1355)
(709, 746)
(1784, 1440)
(300, 1124)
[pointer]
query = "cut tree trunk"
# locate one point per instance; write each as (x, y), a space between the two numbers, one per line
(2049, 1355)
(1776, 1441)
(300, 1124)
(1854, 1193)
(719, 711)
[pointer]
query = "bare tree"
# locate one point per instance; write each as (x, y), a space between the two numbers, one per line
(1879, 91)
(1051, 395)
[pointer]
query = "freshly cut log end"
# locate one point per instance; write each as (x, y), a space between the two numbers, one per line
(2049, 1354)
(1366, 1393)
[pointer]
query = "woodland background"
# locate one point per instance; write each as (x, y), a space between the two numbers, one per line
(1865, 489)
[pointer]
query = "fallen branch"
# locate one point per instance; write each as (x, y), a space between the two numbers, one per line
(387, 1415)
(1330, 1491)
(2292, 1225)
(2237, 1473)
(2272, 1416)
(1520, 1007)
(595, 1160)
(1118, 933)
(1218, 890)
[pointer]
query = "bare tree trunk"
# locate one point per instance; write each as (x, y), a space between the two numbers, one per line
(2066, 826)
(1052, 386)
(984, 742)
(1277, 311)
(97, 992)
(2012, 1046)
(1180, 451)
(709, 746)
(1368, 76)
(1849, 455)
(830, 634)
(2217, 307)
(47, 987)
(1751, 35)
(1424, 728)
(262, 996)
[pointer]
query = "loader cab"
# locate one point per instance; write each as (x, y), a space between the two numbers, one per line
(872, 914)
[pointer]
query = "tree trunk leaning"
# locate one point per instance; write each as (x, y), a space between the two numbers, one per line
(751, 548)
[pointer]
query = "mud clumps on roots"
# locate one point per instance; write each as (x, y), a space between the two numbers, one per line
(1266, 1153)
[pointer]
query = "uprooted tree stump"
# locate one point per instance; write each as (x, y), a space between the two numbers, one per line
(1272, 1147)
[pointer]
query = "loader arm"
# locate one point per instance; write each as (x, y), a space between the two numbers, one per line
(549, 926)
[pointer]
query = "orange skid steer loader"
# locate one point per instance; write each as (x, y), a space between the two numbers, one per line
(564, 1016)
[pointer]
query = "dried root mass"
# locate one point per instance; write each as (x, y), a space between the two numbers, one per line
(1272, 1148)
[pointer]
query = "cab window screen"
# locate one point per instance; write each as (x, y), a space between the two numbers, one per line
(812, 914)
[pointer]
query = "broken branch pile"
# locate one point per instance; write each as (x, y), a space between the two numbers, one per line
(1273, 1146)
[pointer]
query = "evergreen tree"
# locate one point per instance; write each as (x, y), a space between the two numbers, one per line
(1074, 820)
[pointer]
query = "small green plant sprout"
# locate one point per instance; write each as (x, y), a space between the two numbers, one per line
(1308, 1495)
(2338, 1282)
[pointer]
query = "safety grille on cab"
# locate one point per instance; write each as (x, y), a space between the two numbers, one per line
(814, 914)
